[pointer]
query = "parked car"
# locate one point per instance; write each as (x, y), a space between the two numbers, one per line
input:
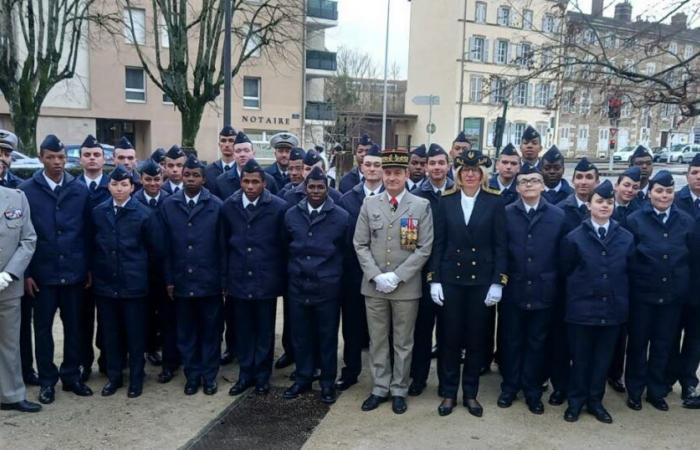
(73, 155)
(656, 153)
(681, 153)
(22, 161)
(624, 154)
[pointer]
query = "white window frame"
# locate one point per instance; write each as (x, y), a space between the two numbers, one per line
(254, 40)
(521, 94)
(480, 10)
(257, 98)
(504, 16)
(135, 90)
(500, 91)
(163, 32)
(548, 23)
(528, 19)
(477, 52)
(501, 54)
(688, 51)
(130, 15)
(476, 84)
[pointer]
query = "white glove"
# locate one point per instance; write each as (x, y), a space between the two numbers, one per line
(494, 295)
(382, 284)
(436, 293)
(393, 280)
(5, 280)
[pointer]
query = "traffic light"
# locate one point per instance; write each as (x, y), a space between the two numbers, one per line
(612, 144)
(614, 108)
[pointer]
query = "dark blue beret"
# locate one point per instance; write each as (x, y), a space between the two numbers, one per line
(312, 157)
(51, 143)
(605, 189)
(662, 177)
(296, 154)
(374, 151)
(461, 137)
(124, 144)
(365, 140)
(640, 152)
(634, 173)
(242, 138)
(174, 152)
(317, 174)
(528, 169)
(158, 155)
(553, 155)
(193, 163)
(151, 167)
(420, 151)
(584, 165)
(90, 142)
(695, 162)
(435, 150)
(509, 150)
(530, 133)
(252, 166)
(228, 131)
(120, 173)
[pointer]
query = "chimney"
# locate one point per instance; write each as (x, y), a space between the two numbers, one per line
(623, 12)
(679, 20)
(597, 8)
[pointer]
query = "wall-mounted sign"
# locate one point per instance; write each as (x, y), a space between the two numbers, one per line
(263, 120)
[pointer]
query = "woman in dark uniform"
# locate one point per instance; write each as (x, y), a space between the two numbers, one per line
(467, 275)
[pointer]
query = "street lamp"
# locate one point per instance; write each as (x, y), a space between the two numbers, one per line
(386, 72)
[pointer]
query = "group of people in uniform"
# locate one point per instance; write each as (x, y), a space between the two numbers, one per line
(416, 254)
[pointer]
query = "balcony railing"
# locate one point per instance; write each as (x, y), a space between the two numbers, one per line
(322, 9)
(320, 111)
(316, 59)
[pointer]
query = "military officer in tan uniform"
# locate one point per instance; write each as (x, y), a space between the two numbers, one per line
(393, 239)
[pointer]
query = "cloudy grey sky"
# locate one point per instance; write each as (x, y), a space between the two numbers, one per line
(362, 24)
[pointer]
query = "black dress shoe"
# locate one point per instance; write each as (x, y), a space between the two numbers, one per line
(557, 398)
(398, 404)
(446, 407)
(226, 358)
(344, 384)
(31, 379)
(617, 385)
(262, 389)
(240, 387)
(416, 389)
(692, 403)
(571, 414)
(134, 391)
(634, 404)
(191, 387)
(23, 406)
(284, 361)
(505, 400)
(80, 389)
(688, 393)
(295, 391)
(154, 358)
(600, 414)
(210, 387)
(165, 376)
(658, 403)
(328, 395)
(85, 373)
(47, 394)
(473, 406)
(373, 402)
(535, 407)
(110, 388)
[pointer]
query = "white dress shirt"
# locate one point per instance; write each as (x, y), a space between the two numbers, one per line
(368, 192)
(247, 202)
(468, 205)
(195, 198)
(52, 184)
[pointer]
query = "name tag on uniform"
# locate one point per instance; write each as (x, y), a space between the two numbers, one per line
(12, 214)
(409, 233)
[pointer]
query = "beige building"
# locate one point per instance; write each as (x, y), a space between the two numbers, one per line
(471, 65)
(112, 96)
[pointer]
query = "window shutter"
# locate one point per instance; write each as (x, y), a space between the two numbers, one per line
(468, 56)
(531, 94)
(486, 50)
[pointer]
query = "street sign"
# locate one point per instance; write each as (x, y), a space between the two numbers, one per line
(613, 132)
(425, 100)
(430, 128)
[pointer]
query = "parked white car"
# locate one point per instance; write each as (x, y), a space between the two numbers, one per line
(624, 154)
(681, 153)
(22, 161)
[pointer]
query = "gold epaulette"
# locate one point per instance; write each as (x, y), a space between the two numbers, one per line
(504, 279)
(454, 189)
(429, 277)
(491, 190)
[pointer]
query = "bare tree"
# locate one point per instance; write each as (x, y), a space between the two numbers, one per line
(39, 47)
(189, 70)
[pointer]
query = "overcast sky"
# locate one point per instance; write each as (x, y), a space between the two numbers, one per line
(362, 24)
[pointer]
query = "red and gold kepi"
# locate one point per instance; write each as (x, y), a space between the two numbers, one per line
(395, 158)
(472, 158)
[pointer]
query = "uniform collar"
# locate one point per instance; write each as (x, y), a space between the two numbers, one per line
(173, 185)
(52, 184)
(369, 192)
(398, 197)
(555, 188)
(247, 202)
(114, 203)
(195, 198)
(149, 198)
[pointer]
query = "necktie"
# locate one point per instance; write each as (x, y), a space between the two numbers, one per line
(531, 213)
(394, 203)
(117, 210)
(227, 168)
(662, 217)
(175, 189)
(697, 202)
(314, 214)
(250, 207)
(191, 204)
(371, 194)
(583, 209)
(57, 189)
(152, 203)
(601, 233)
(93, 186)
(641, 195)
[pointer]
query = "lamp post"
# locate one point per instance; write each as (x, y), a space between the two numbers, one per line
(386, 74)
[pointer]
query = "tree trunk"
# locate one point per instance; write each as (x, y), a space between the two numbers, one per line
(190, 120)
(25, 116)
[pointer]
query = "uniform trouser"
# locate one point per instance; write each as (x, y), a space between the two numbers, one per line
(490, 338)
(397, 317)
(255, 338)
(423, 338)
(651, 332)
(463, 323)
(315, 338)
(25, 335)
(87, 325)
(617, 366)
(592, 349)
(230, 322)
(685, 356)
(287, 329)
(154, 338)
(199, 324)
(355, 333)
(558, 354)
(123, 319)
(166, 323)
(11, 385)
(68, 300)
(522, 349)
